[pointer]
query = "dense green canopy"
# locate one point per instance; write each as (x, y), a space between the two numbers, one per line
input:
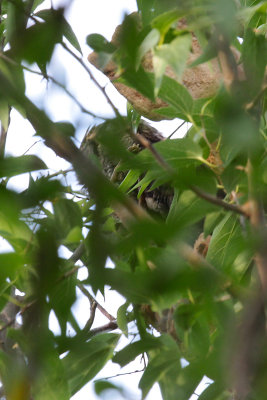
(183, 220)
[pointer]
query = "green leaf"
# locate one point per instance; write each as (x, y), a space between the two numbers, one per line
(212, 392)
(158, 368)
(227, 243)
(66, 128)
(4, 114)
(176, 152)
(130, 179)
(208, 53)
(70, 36)
(122, 318)
(36, 44)
(67, 216)
(41, 189)
(177, 96)
(174, 54)
(99, 44)
(10, 263)
(211, 221)
(188, 208)
(37, 3)
(16, 232)
(11, 166)
(139, 80)
(74, 235)
(148, 43)
(254, 48)
(83, 363)
(102, 386)
(164, 21)
(130, 352)
(14, 74)
(61, 299)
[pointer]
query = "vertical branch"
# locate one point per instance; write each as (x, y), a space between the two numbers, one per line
(258, 224)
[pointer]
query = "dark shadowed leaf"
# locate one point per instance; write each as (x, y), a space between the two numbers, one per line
(11, 166)
(86, 361)
(130, 352)
(103, 386)
(98, 43)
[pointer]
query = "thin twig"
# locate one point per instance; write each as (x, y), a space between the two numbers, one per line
(175, 130)
(144, 142)
(122, 374)
(101, 88)
(218, 202)
(91, 298)
(111, 326)
(89, 323)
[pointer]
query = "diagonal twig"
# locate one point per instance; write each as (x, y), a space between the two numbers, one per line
(101, 88)
(92, 299)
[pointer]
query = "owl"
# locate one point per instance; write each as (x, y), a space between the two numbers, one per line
(157, 200)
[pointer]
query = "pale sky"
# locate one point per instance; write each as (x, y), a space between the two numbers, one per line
(85, 17)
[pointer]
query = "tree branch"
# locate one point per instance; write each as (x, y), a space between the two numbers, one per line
(147, 145)
(111, 326)
(92, 299)
(218, 202)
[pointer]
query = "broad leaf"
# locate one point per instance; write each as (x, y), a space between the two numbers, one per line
(83, 363)
(227, 245)
(122, 318)
(177, 96)
(148, 43)
(188, 208)
(11, 166)
(99, 43)
(177, 153)
(174, 54)
(130, 352)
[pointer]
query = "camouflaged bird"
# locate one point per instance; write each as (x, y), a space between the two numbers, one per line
(157, 200)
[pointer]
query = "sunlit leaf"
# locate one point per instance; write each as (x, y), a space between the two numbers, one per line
(164, 21)
(175, 54)
(148, 43)
(177, 96)
(4, 114)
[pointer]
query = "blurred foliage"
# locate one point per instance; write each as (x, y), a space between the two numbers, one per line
(190, 279)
